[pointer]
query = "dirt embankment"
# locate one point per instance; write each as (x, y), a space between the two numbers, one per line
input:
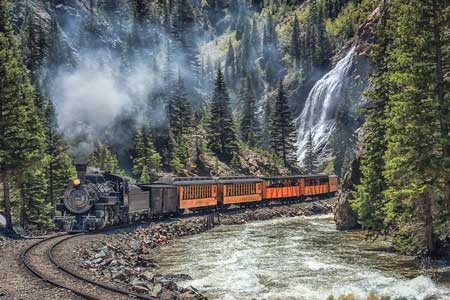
(125, 258)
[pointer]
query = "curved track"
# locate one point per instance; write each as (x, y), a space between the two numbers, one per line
(39, 259)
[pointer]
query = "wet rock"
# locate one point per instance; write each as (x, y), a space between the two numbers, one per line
(126, 258)
(101, 254)
(156, 290)
(120, 275)
(165, 294)
(344, 215)
(188, 295)
(139, 285)
(177, 277)
(147, 275)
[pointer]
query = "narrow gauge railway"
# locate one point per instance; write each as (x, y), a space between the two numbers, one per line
(40, 260)
(98, 200)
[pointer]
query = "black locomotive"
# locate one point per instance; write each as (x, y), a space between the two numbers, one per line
(96, 200)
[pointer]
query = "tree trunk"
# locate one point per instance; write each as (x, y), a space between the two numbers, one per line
(7, 201)
(24, 205)
(440, 95)
(428, 219)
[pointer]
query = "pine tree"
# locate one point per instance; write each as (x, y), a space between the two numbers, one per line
(254, 37)
(317, 49)
(343, 140)
(21, 130)
(295, 47)
(104, 159)
(310, 162)
(180, 119)
(283, 129)
(168, 75)
(414, 159)
(36, 210)
(273, 65)
(146, 160)
(221, 134)
(59, 169)
(230, 65)
(245, 56)
(369, 201)
(167, 23)
(267, 117)
(249, 121)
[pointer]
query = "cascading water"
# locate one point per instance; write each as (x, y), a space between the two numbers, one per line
(320, 106)
(301, 258)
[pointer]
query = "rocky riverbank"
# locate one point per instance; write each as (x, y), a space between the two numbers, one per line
(125, 258)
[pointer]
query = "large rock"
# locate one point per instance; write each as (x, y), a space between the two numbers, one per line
(365, 35)
(344, 215)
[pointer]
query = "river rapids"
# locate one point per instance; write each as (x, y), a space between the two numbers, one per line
(295, 258)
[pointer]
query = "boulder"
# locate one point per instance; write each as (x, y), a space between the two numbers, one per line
(156, 290)
(344, 215)
(165, 294)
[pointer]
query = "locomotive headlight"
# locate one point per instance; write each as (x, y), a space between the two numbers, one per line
(78, 201)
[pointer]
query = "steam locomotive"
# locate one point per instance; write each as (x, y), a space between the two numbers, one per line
(96, 200)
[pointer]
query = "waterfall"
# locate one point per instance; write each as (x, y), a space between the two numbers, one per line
(318, 114)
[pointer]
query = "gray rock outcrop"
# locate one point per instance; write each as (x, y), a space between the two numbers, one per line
(344, 215)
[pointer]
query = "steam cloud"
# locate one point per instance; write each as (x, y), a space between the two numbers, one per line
(95, 95)
(90, 94)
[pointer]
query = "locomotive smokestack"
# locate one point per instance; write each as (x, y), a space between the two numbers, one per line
(81, 170)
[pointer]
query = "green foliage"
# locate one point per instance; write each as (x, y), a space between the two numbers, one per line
(180, 116)
(343, 139)
(249, 120)
(103, 158)
(342, 28)
(282, 129)
(59, 167)
(310, 161)
(35, 212)
(316, 41)
(405, 159)
(222, 139)
(146, 160)
(345, 18)
(369, 198)
(295, 47)
(270, 52)
(21, 130)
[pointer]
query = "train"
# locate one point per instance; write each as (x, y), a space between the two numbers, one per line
(96, 200)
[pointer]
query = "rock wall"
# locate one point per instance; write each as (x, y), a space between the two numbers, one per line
(344, 215)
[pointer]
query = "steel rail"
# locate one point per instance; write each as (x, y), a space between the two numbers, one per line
(35, 272)
(88, 280)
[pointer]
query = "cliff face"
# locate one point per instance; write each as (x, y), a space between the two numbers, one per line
(344, 215)
(108, 60)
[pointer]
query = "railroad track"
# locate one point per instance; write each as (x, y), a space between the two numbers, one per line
(39, 259)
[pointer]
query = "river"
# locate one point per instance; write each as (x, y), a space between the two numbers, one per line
(295, 258)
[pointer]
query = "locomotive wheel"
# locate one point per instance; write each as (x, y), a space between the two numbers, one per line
(104, 222)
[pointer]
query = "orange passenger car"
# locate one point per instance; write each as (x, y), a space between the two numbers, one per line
(281, 187)
(197, 192)
(315, 185)
(333, 183)
(235, 190)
